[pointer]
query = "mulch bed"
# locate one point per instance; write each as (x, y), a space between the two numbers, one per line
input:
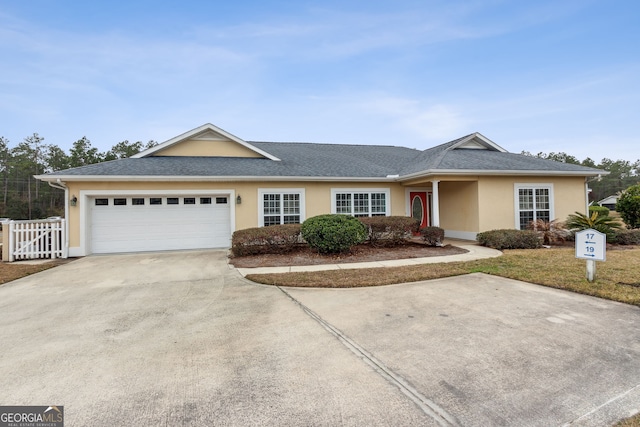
(360, 253)
(10, 271)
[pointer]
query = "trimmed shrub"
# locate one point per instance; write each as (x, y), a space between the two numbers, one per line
(627, 237)
(629, 206)
(274, 239)
(389, 230)
(333, 233)
(602, 210)
(509, 239)
(432, 236)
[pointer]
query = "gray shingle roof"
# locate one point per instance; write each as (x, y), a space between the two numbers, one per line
(329, 161)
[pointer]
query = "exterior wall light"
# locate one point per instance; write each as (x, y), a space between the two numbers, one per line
(73, 201)
(238, 200)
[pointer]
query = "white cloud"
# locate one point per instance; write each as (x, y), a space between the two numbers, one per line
(435, 122)
(336, 33)
(438, 122)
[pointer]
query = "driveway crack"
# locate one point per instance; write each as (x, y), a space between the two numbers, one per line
(429, 407)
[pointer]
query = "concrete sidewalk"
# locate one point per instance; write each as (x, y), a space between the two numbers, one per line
(475, 252)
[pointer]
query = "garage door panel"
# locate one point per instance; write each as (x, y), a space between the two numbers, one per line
(131, 228)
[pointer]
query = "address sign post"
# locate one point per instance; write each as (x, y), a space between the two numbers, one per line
(592, 246)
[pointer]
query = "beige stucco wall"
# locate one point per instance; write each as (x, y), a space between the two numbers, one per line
(465, 205)
(497, 198)
(195, 147)
(5, 243)
(459, 205)
(317, 197)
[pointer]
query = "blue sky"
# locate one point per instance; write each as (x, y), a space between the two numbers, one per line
(557, 75)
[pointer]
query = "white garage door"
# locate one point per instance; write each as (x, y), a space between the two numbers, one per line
(156, 223)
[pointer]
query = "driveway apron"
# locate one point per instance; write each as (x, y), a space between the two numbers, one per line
(496, 352)
(179, 338)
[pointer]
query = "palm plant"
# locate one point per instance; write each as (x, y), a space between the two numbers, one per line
(602, 223)
(550, 231)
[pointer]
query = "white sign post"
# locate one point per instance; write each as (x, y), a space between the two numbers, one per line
(592, 246)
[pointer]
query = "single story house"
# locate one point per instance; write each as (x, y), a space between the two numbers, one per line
(194, 190)
(609, 202)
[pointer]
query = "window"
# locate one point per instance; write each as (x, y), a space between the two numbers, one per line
(102, 202)
(189, 200)
(155, 201)
(221, 200)
(205, 200)
(172, 200)
(281, 207)
(533, 202)
(119, 202)
(137, 201)
(361, 202)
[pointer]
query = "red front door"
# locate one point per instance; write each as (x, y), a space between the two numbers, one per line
(419, 207)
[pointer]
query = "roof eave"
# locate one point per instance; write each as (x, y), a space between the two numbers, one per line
(185, 178)
(433, 172)
(388, 178)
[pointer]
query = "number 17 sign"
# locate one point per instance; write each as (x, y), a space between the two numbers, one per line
(591, 244)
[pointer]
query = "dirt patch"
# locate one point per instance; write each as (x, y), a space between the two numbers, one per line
(360, 253)
(10, 271)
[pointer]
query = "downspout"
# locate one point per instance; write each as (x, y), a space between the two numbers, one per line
(586, 194)
(587, 190)
(62, 186)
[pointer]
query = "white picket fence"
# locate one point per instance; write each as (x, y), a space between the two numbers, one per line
(36, 239)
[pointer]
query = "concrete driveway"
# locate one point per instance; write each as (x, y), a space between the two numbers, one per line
(181, 339)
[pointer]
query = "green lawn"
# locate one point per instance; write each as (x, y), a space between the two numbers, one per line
(617, 279)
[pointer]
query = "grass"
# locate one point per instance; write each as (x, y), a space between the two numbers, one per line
(629, 422)
(13, 271)
(618, 278)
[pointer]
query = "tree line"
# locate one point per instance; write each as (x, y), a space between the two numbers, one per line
(23, 196)
(622, 173)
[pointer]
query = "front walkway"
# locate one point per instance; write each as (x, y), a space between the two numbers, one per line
(475, 252)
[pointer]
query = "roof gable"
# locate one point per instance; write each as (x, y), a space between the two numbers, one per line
(611, 200)
(475, 141)
(206, 141)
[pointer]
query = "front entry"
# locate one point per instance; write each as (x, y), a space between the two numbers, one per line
(419, 203)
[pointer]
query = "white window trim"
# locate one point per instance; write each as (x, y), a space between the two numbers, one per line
(516, 199)
(386, 191)
(263, 191)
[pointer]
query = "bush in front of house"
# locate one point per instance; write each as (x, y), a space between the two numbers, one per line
(628, 206)
(509, 239)
(389, 230)
(333, 233)
(432, 236)
(602, 223)
(627, 237)
(550, 231)
(274, 239)
(602, 210)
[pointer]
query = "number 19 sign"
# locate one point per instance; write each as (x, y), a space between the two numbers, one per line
(591, 245)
